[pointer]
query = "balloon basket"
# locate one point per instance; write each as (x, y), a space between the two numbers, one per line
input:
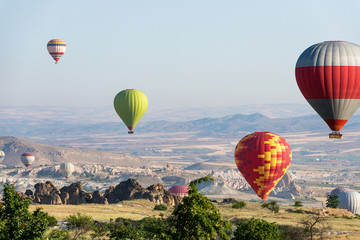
(130, 132)
(336, 135)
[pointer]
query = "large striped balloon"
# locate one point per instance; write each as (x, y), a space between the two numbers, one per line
(56, 48)
(2, 156)
(328, 75)
(130, 105)
(263, 158)
(66, 169)
(27, 159)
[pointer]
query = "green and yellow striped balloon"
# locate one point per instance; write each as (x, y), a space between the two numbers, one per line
(130, 105)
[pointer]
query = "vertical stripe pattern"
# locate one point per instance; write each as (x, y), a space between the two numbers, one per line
(66, 169)
(328, 75)
(130, 105)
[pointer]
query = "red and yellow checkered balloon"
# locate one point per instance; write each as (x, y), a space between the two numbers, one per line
(263, 158)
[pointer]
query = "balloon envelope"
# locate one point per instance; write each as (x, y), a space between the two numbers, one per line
(339, 190)
(2, 156)
(56, 48)
(179, 190)
(328, 75)
(27, 159)
(67, 169)
(350, 201)
(262, 158)
(130, 105)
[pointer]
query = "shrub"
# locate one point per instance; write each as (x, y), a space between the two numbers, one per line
(255, 229)
(160, 207)
(79, 224)
(332, 201)
(298, 211)
(239, 204)
(272, 206)
(298, 204)
(16, 222)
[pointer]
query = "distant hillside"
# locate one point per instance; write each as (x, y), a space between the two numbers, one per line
(230, 125)
(14, 147)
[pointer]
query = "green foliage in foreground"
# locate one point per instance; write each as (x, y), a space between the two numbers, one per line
(239, 204)
(255, 229)
(160, 207)
(332, 201)
(197, 217)
(16, 222)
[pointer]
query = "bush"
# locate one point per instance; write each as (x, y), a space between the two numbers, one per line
(332, 201)
(292, 233)
(160, 207)
(79, 224)
(298, 204)
(255, 229)
(298, 211)
(16, 222)
(239, 204)
(272, 206)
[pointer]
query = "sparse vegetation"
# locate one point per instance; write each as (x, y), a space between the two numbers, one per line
(239, 204)
(79, 224)
(273, 206)
(160, 207)
(298, 204)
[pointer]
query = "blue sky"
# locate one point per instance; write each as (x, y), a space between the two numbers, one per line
(179, 53)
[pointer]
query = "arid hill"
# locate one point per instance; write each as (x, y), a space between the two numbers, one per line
(49, 155)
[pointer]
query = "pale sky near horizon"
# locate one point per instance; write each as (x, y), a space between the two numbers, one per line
(179, 53)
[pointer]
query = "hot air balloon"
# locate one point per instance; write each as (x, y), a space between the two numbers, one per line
(262, 158)
(350, 201)
(179, 190)
(328, 75)
(27, 159)
(2, 156)
(56, 48)
(66, 169)
(130, 105)
(339, 190)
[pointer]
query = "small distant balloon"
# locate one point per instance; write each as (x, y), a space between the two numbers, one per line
(67, 169)
(130, 105)
(2, 156)
(56, 48)
(27, 159)
(263, 158)
(179, 190)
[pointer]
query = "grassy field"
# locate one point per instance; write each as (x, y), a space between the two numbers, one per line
(343, 226)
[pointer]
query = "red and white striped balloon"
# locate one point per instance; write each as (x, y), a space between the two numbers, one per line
(328, 75)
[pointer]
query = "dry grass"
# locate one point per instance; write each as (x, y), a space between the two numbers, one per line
(339, 220)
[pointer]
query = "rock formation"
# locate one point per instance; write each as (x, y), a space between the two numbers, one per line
(47, 193)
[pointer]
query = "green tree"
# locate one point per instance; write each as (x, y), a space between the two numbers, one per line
(272, 206)
(197, 217)
(332, 201)
(123, 229)
(239, 204)
(160, 207)
(298, 204)
(16, 222)
(255, 229)
(79, 224)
